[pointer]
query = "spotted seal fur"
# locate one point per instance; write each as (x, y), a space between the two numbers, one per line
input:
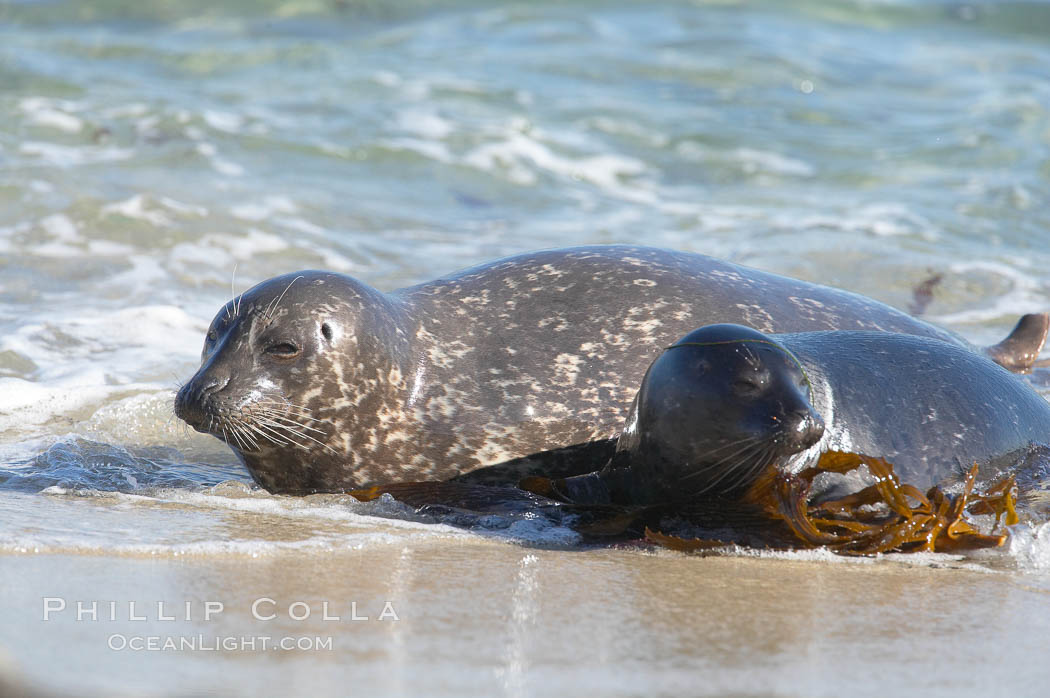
(320, 382)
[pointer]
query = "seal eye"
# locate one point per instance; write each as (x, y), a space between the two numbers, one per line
(326, 330)
(750, 384)
(283, 350)
(212, 335)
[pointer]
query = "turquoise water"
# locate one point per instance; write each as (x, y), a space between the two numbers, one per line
(157, 157)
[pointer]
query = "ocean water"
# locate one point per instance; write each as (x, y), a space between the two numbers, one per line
(158, 157)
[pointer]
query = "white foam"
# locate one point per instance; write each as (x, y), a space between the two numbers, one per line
(136, 208)
(539, 532)
(518, 156)
(331, 259)
(387, 78)
(143, 523)
(91, 357)
(211, 548)
(58, 120)
(219, 164)
(766, 161)
(302, 225)
(750, 160)
(624, 127)
(52, 113)
(60, 227)
(66, 156)
(428, 149)
(190, 255)
(144, 275)
(227, 167)
(26, 403)
(31, 105)
(424, 122)
(108, 248)
(181, 207)
(16, 229)
(221, 250)
(264, 208)
(58, 250)
(1030, 546)
(223, 121)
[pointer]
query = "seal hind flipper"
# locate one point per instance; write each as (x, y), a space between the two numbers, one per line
(1019, 350)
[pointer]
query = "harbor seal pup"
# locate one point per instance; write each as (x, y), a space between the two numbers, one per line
(725, 402)
(322, 383)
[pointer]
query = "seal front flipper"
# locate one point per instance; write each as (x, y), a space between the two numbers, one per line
(454, 495)
(441, 498)
(1019, 350)
(578, 489)
(595, 502)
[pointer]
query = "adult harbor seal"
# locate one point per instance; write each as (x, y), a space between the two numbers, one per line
(725, 402)
(321, 383)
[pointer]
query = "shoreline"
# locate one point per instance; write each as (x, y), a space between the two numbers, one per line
(481, 617)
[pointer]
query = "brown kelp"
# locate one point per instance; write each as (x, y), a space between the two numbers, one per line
(886, 516)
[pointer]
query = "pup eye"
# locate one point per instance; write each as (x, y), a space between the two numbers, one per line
(326, 330)
(283, 350)
(751, 384)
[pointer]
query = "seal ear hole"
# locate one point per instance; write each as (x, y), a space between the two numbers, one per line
(326, 330)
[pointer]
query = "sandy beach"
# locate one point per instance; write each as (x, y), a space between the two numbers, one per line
(479, 617)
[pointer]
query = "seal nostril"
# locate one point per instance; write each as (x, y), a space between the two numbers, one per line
(803, 429)
(213, 385)
(811, 429)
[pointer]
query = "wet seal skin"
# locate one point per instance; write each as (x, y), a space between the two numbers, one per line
(321, 383)
(725, 402)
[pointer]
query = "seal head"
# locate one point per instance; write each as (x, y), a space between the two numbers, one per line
(278, 378)
(717, 407)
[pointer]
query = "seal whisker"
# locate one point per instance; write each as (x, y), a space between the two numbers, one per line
(278, 399)
(269, 433)
(241, 429)
(282, 423)
(289, 415)
(746, 440)
(277, 302)
(742, 457)
(277, 427)
(286, 428)
(233, 295)
(745, 468)
(751, 443)
(281, 402)
(226, 437)
(757, 464)
(237, 437)
(286, 422)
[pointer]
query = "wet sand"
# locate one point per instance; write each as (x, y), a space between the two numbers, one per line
(478, 617)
